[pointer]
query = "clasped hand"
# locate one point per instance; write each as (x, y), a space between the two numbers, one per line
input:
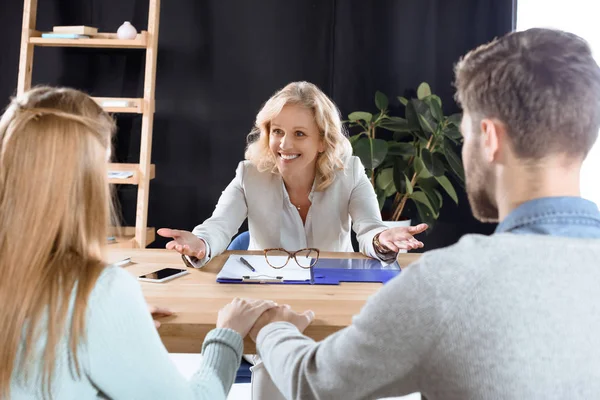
(247, 316)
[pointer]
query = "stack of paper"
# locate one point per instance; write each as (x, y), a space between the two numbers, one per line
(64, 36)
(78, 29)
(235, 269)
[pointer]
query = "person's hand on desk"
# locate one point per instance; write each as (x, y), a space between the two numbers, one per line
(241, 314)
(184, 242)
(400, 238)
(158, 312)
(282, 313)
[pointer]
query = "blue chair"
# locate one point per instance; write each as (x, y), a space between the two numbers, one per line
(241, 242)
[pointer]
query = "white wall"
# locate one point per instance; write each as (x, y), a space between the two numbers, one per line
(581, 17)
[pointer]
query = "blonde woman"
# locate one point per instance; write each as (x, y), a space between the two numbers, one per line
(300, 187)
(73, 327)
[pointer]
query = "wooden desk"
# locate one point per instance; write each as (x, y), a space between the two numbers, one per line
(197, 297)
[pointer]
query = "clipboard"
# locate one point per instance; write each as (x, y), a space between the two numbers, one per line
(327, 271)
(234, 271)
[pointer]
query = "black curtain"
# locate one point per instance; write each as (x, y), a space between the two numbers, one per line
(219, 60)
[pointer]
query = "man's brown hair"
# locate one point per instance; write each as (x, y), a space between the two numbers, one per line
(542, 84)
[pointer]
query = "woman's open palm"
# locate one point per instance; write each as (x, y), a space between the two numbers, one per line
(184, 242)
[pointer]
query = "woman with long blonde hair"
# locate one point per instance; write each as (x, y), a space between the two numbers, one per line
(299, 188)
(73, 327)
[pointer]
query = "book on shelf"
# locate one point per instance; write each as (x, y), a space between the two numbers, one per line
(120, 174)
(64, 36)
(115, 103)
(77, 29)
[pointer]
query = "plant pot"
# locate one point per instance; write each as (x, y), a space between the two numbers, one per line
(395, 224)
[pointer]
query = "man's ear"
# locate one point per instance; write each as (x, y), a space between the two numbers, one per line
(494, 138)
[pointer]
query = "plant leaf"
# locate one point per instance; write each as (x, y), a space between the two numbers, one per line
(412, 117)
(396, 124)
(425, 124)
(425, 119)
(447, 185)
(371, 152)
(452, 132)
(454, 160)
(385, 182)
(455, 119)
(400, 169)
(357, 115)
(425, 215)
(401, 149)
(428, 186)
(380, 198)
(435, 106)
(433, 200)
(420, 169)
(354, 138)
(433, 164)
(403, 100)
(409, 186)
(422, 198)
(423, 91)
(381, 101)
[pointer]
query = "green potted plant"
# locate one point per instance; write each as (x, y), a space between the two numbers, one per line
(411, 158)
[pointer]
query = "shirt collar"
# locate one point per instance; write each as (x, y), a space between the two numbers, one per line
(536, 209)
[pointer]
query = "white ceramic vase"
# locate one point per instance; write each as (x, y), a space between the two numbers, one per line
(395, 224)
(126, 31)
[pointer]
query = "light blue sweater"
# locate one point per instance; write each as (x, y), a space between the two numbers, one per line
(124, 357)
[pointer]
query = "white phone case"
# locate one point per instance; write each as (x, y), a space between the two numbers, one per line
(168, 278)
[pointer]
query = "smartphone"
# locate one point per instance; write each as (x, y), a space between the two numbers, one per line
(163, 275)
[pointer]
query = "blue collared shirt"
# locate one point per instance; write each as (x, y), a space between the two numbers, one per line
(573, 217)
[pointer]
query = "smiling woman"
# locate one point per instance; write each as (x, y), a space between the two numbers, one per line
(300, 187)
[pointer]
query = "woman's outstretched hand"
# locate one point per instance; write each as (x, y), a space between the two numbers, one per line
(401, 238)
(184, 242)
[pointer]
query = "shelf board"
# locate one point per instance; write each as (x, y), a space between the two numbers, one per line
(125, 237)
(135, 168)
(134, 106)
(101, 40)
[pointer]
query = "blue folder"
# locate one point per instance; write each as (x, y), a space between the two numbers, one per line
(332, 271)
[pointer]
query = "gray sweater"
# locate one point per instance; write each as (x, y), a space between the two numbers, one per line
(500, 317)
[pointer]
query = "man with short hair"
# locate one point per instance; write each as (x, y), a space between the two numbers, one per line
(511, 315)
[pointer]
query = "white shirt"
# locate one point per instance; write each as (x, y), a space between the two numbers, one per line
(273, 221)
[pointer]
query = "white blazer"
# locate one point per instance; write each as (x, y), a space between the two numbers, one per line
(349, 201)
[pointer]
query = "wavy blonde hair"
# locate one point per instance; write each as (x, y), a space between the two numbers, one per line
(54, 215)
(327, 118)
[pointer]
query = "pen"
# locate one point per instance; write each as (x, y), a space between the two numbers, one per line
(247, 264)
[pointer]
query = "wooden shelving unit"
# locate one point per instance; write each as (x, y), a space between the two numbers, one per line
(101, 40)
(140, 235)
(126, 237)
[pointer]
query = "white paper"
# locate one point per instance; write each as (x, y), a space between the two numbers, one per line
(235, 269)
